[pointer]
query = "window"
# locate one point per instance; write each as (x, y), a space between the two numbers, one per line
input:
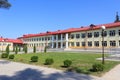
(39, 39)
(89, 35)
(96, 43)
(96, 34)
(89, 43)
(83, 43)
(77, 44)
(72, 36)
(112, 43)
(112, 33)
(83, 35)
(119, 42)
(104, 43)
(72, 43)
(119, 32)
(42, 39)
(77, 36)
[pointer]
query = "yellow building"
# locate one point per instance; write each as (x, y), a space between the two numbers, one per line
(85, 37)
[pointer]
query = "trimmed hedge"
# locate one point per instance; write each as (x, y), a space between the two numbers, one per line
(4, 55)
(49, 61)
(34, 59)
(11, 56)
(67, 63)
(97, 67)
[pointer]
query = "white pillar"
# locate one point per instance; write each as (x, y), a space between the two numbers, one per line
(52, 41)
(66, 38)
(61, 41)
(56, 41)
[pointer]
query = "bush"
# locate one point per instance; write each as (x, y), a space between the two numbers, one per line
(67, 63)
(49, 61)
(97, 67)
(11, 56)
(34, 59)
(4, 55)
(78, 70)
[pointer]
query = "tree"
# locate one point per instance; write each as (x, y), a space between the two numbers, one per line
(5, 4)
(7, 49)
(34, 49)
(25, 49)
(13, 48)
(45, 49)
(16, 49)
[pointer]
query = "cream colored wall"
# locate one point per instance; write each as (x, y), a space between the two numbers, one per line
(3, 46)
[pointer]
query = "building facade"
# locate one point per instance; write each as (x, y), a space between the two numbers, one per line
(85, 37)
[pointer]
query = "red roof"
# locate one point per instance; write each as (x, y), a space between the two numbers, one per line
(85, 28)
(17, 41)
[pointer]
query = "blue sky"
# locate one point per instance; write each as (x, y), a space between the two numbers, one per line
(35, 16)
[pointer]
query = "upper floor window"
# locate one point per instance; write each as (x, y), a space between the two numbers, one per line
(119, 32)
(83, 35)
(77, 36)
(89, 35)
(112, 33)
(104, 33)
(72, 36)
(96, 34)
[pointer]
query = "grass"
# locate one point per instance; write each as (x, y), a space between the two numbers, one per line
(82, 60)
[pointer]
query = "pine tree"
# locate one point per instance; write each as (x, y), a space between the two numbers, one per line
(7, 49)
(34, 49)
(16, 49)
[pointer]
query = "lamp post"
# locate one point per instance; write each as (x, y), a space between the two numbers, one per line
(103, 28)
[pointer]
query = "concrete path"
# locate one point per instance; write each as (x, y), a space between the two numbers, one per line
(20, 71)
(113, 74)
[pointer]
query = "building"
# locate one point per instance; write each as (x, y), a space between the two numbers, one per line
(4, 42)
(85, 37)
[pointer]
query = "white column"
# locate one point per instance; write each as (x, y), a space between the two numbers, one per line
(52, 41)
(56, 41)
(66, 38)
(61, 41)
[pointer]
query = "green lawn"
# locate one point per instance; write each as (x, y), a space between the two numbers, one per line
(81, 60)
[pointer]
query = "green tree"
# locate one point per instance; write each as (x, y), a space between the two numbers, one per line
(7, 49)
(5, 4)
(34, 49)
(45, 49)
(16, 49)
(19, 49)
(25, 49)
(13, 48)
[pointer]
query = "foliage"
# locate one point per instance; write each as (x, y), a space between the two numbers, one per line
(34, 49)
(45, 49)
(4, 55)
(16, 49)
(25, 49)
(67, 63)
(5, 4)
(34, 59)
(19, 49)
(49, 61)
(11, 56)
(13, 48)
(97, 67)
(7, 49)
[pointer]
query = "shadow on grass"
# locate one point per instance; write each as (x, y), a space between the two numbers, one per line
(33, 74)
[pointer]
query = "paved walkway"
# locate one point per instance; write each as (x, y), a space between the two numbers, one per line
(20, 71)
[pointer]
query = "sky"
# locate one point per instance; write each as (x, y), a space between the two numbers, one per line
(36, 16)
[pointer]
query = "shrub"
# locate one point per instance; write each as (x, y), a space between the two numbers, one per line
(11, 56)
(34, 49)
(45, 49)
(49, 61)
(34, 59)
(7, 49)
(4, 55)
(78, 70)
(97, 67)
(67, 63)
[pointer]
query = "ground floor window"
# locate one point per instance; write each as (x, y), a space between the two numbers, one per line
(104, 43)
(112, 43)
(96, 43)
(89, 43)
(83, 43)
(72, 43)
(77, 44)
